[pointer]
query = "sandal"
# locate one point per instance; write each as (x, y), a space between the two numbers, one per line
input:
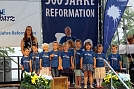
(97, 86)
(101, 86)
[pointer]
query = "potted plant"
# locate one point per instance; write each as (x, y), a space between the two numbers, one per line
(117, 84)
(34, 81)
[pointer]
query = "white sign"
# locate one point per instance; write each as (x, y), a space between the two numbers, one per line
(14, 17)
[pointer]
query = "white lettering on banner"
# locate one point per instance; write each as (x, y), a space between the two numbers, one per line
(79, 2)
(59, 2)
(70, 12)
(71, 2)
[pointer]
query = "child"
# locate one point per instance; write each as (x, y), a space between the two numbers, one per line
(67, 63)
(34, 59)
(45, 60)
(25, 62)
(78, 72)
(100, 72)
(88, 62)
(115, 59)
(55, 60)
(60, 48)
(71, 49)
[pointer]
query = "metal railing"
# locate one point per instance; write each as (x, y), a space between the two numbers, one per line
(7, 64)
(116, 75)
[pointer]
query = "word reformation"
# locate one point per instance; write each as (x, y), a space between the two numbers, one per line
(70, 12)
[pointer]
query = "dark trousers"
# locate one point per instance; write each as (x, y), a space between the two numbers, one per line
(131, 72)
(68, 75)
(22, 75)
(72, 77)
(55, 72)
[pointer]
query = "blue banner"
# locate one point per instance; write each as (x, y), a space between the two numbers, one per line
(113, 12)
(80, 15)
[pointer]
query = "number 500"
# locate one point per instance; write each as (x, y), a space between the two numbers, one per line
(59, 2)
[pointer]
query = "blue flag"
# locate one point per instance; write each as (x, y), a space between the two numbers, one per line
(113, 12)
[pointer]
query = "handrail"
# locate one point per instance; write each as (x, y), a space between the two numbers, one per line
(116, 75)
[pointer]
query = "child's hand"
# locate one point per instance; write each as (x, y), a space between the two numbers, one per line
(120, 67)
(30, 69)
(80, 66)
(52, 55)
(108, 68)
(94, 66)
(72, 67)
(49, 68)
(59, 67)
(41, 67)
(22, 68)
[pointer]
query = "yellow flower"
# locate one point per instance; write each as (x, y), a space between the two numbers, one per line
(46, 82)
(33, 81)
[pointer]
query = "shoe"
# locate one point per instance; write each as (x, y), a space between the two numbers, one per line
(76, 86)
(101, 86)
(85, 86)
(97, 86)
(79, 86)
(91, 86)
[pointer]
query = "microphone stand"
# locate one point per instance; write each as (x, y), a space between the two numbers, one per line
(35, 62)
(75, 65)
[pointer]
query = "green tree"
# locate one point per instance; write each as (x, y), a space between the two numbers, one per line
(129, 26)
(5, 51)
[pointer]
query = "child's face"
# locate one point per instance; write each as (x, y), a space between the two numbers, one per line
(65, 47)
(88, 47)
(55, 46)
(78, 45)
(35, 49)
(45, 48)
(60, 48)
(114, 49)
(100, 49)
(26, 52)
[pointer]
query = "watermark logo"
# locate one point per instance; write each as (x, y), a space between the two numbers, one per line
(4, 17)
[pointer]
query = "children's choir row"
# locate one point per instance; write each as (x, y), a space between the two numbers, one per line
(63, 59)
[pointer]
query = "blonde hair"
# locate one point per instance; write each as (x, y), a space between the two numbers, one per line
(65, 44)
(71, 43)
(45, 44)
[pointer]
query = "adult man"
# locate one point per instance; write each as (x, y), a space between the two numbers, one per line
(67, 36)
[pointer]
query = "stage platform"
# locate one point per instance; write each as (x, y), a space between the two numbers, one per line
(16, 86)
(69, 88)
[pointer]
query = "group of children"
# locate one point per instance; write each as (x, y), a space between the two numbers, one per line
(64, 60)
